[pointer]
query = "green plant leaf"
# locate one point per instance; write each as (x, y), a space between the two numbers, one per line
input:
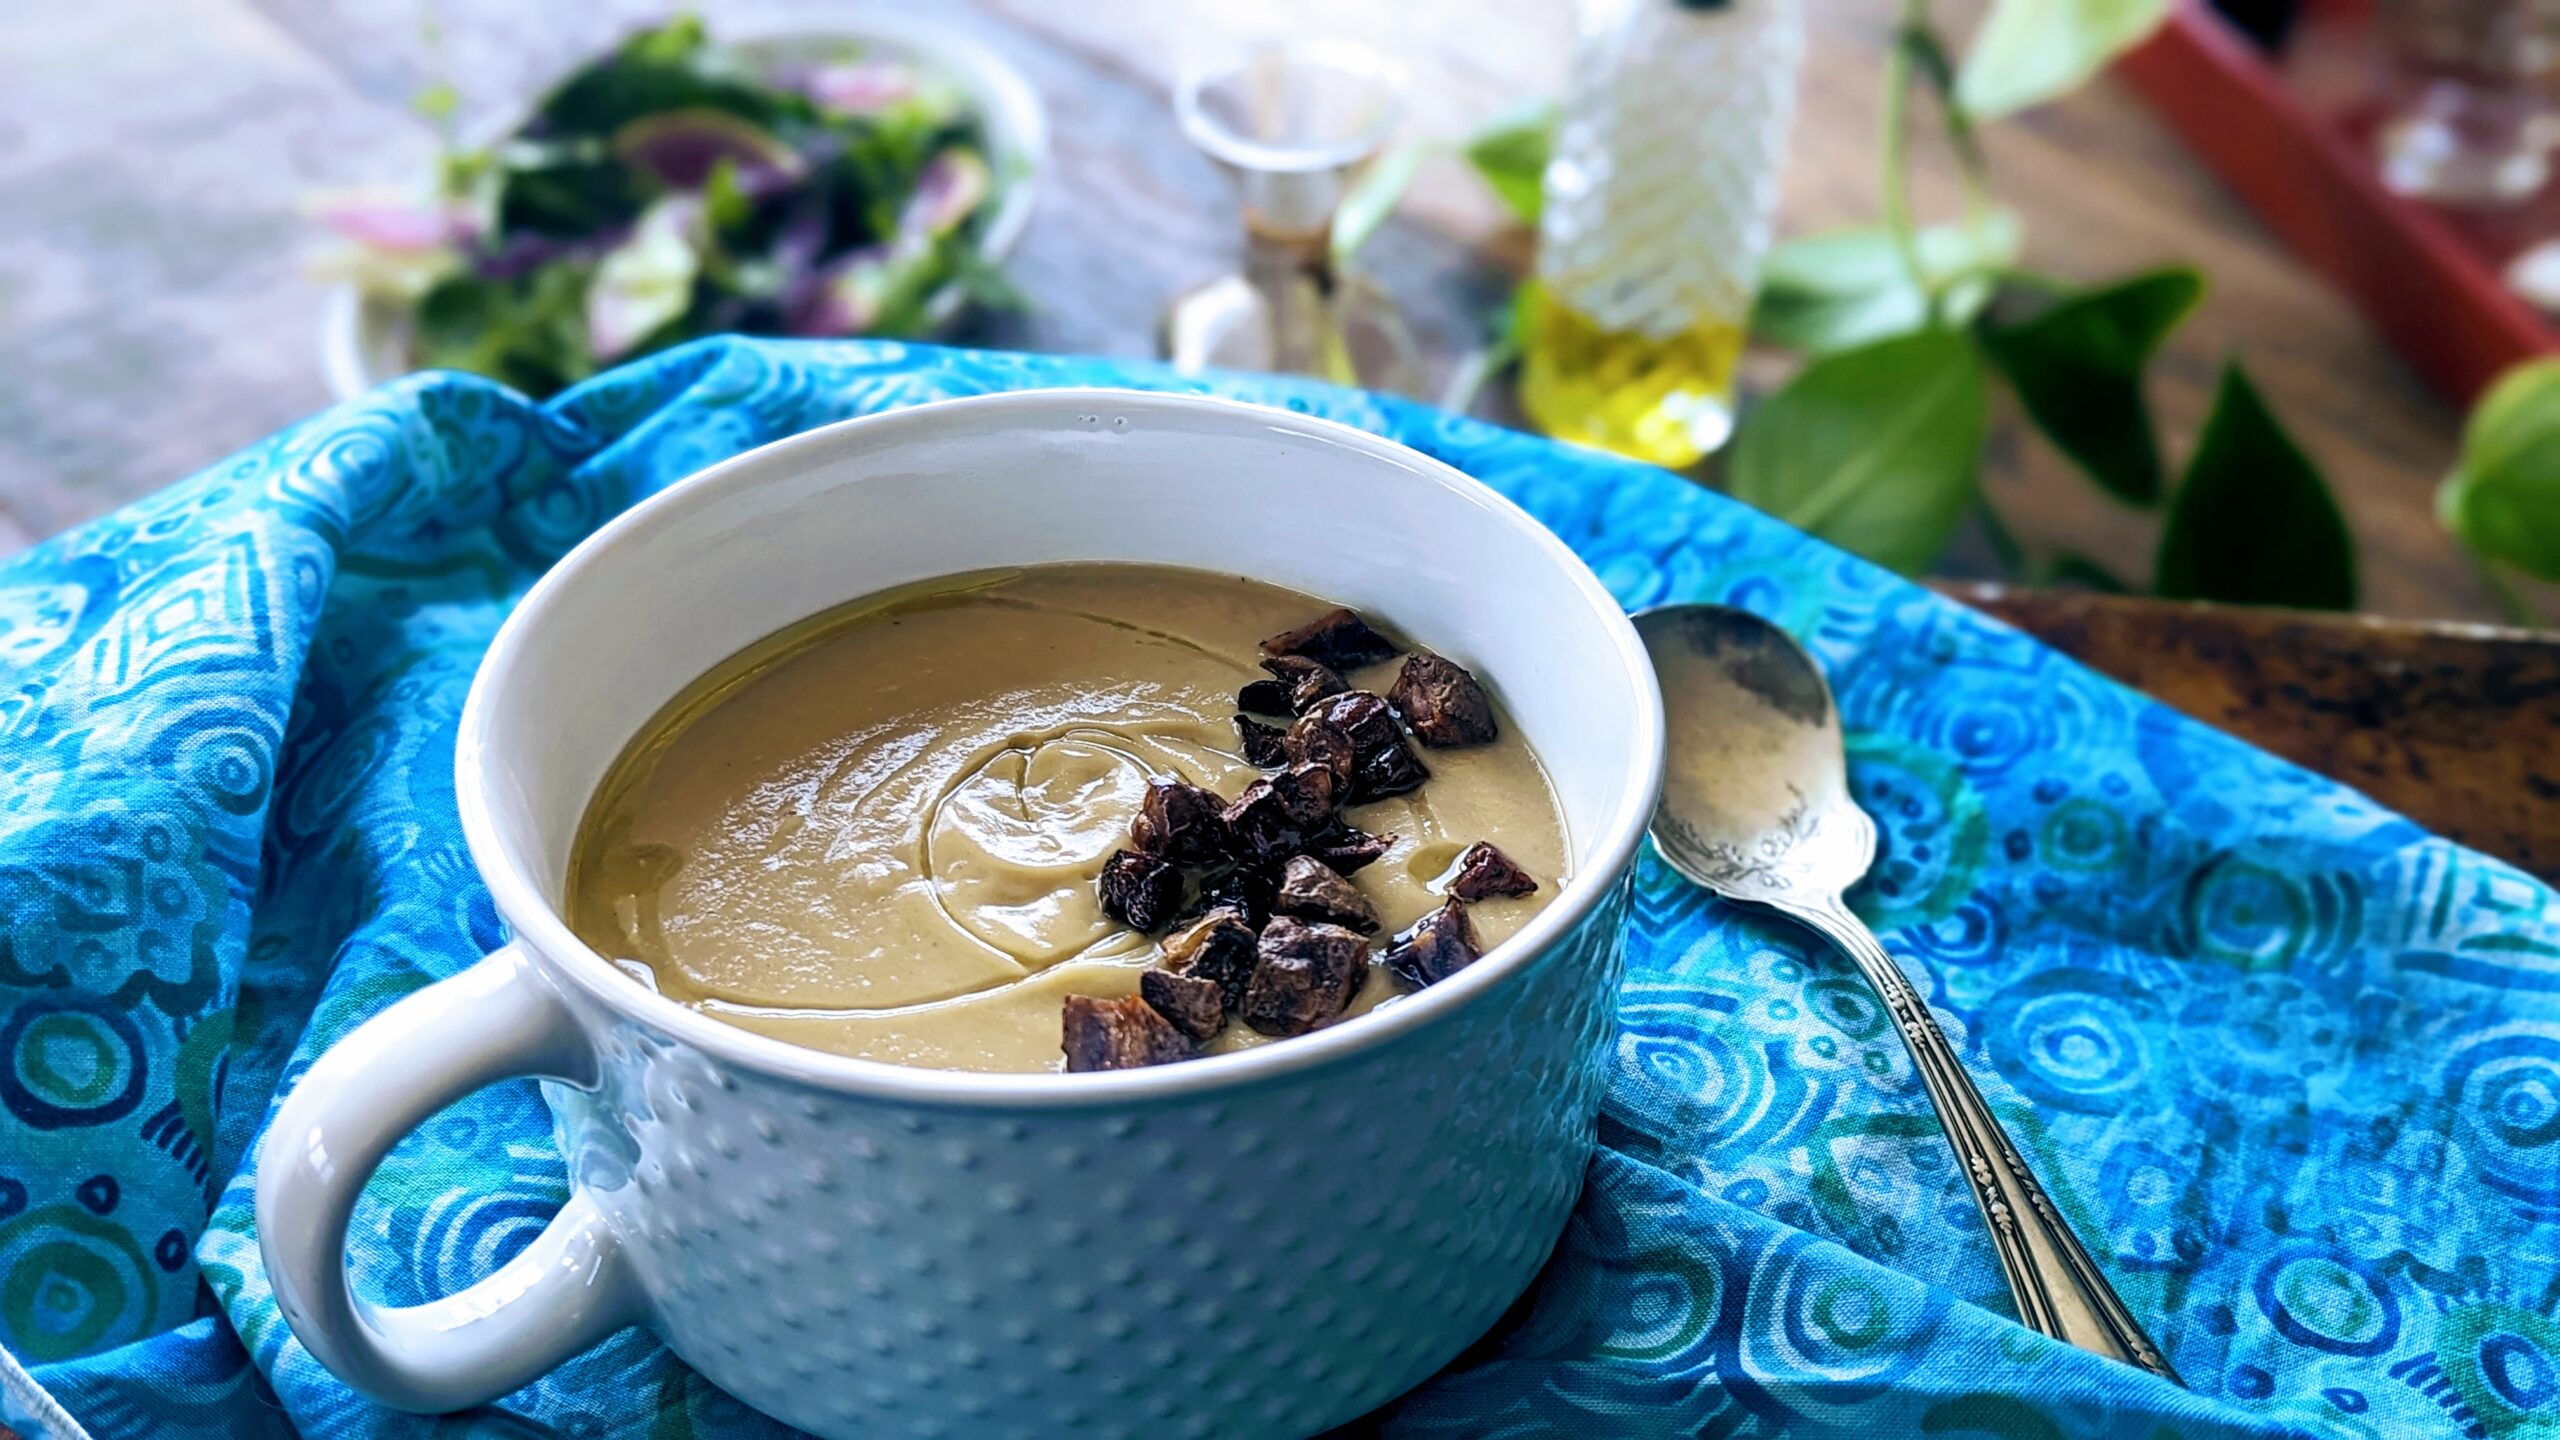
(1511, 155)
(2077, 367)
(1874, 449)
(1929, 58)
(1843, 288)
(2253, 523)
(2503, 500)
(2026, 52)
(2018, 296)
(1373, 197)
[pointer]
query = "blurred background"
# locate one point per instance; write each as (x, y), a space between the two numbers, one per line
(169, 168)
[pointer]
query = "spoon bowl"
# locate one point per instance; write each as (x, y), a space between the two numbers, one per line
(1755, 794)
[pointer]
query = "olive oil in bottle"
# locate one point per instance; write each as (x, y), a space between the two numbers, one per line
(1659, 200)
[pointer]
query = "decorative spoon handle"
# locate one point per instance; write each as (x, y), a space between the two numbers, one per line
(2059, 1289)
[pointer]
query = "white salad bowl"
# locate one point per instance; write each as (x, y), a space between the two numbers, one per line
(1260, 1243)
(365, 338)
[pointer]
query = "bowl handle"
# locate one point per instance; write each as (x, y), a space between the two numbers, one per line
(499, 1020)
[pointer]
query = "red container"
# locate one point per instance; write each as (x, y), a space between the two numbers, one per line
(2295, 139)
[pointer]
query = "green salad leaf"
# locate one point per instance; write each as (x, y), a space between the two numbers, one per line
(567, 194)
(668, 189)
(673, 67)
(529, 331)
(645, 284)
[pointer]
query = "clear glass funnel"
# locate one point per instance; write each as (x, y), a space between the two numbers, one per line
(1293, 121)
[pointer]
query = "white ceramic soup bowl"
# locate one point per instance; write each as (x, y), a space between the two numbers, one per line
(1261, 1243)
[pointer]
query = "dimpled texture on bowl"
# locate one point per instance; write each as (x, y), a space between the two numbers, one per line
(1268, 1260)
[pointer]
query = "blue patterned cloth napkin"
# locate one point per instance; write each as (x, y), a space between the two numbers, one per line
(2292, 1065)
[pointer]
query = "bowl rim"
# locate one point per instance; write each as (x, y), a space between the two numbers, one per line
(540, 930)
(352, 323)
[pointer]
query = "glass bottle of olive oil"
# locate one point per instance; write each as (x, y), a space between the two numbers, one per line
(1659, 200)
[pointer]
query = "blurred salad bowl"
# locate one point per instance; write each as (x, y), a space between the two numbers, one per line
(867, 179)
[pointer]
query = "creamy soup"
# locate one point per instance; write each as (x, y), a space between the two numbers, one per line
(878, 832)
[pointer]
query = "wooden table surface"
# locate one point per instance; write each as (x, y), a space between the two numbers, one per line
(155, 311)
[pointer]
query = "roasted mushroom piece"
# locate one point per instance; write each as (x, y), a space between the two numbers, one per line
(1365, 718)
(1311, 891)
(1264, 697)
(1314, 740)
(1305, 976)
(1484, 872)
(1392, 771)
(1261, 743)
(1121, 1033)
(1436, 946)
(1442, 703)
(1338, 638)
(1219, 947)
(1246, 890)
(1179, 822)
(1193, 1003)
(1268, 822)
(1139, 890)
(1309, 681)
(1346, 848)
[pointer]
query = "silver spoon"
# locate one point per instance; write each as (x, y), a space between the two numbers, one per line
(1755, 807)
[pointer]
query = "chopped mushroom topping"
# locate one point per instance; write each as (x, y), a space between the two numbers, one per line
(1484, 872)
(1307, 680)
(1339, 638)
(1345, 848)
(1305, 976)
(1179, 823)
(1262, 743)
(1443, 703)
(1436, 946)
(1220, 947)
(1314, 740)
(1122, 1033)
(1193, 1003)
(1139, 890)
(1310, 891)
